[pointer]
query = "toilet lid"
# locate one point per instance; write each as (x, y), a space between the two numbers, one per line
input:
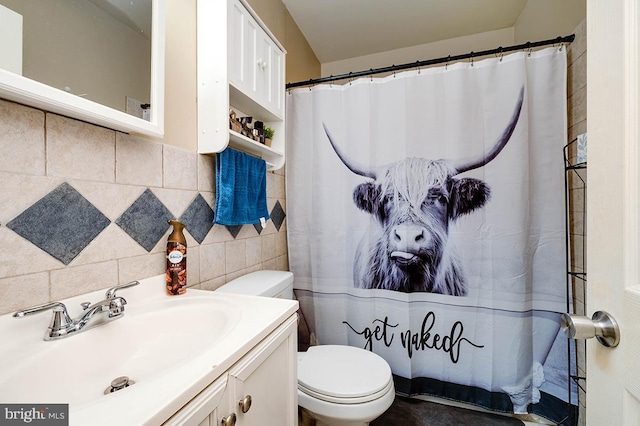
(343, 372)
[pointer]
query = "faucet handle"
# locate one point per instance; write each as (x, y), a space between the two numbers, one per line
(116, 307)
(56, 306)
(61, 322)
(111, 293)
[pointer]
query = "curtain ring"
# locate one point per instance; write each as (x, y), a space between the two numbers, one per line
(501, 52)
(528, 49)
(418, 66)
(371, 71)
(447, 64)
(471, 58)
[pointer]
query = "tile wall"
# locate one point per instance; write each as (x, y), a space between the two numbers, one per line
(84, 208)
(577, 182)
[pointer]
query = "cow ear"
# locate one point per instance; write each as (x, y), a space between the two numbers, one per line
(467, 194)
(366, 196)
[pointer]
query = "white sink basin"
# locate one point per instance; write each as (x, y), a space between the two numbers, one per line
(146, 342)
(170, 346)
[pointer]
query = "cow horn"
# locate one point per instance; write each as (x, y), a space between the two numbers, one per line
(467, 164)
(352, 165)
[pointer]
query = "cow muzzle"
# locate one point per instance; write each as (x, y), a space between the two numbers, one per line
(408, 242)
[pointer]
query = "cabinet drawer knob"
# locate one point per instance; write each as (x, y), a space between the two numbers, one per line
(230, 420)
(245, 403)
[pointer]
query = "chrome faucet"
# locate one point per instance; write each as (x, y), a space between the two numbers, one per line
(62, 325)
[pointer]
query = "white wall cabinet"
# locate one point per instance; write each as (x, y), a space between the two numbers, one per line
(266, 375)
(241, 67)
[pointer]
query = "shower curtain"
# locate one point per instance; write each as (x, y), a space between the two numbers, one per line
(426, 224)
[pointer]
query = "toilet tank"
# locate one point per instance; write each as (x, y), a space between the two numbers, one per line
(262, 283)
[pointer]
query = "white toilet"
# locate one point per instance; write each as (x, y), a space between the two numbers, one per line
(337, 385)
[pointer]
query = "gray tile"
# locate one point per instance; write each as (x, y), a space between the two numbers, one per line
(277, 215)
(258, 227)
(145, 220)
(62, 223)
(234, 230)
(198, 218)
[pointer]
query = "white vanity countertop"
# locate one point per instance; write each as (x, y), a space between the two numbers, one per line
(156, 395)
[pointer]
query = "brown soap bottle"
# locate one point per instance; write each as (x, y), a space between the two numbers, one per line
(176, 260)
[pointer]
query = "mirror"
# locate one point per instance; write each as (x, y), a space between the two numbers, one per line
(100, 61)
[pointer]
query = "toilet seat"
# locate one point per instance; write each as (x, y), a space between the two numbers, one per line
(341, 400)
(343, 374)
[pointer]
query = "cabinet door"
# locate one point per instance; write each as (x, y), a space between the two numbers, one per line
(243, 36)
(267, 376)
(273, 76)
(206, 409)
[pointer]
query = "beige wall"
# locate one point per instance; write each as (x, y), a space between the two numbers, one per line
(439, 49)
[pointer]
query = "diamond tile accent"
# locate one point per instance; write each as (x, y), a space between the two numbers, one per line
(277, 215)
(145, 220)
(234, 230)
(198, 218)
(62, 223)
(258, 227)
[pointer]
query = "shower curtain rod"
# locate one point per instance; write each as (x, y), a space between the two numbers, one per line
(417, 64)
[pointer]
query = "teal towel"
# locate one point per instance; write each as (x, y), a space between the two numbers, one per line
(241, 189)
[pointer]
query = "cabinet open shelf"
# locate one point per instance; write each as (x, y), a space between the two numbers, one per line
(243, 143)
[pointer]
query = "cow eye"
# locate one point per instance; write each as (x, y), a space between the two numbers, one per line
(437, 198)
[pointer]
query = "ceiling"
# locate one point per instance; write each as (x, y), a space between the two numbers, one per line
(134, 13)
(341, 29)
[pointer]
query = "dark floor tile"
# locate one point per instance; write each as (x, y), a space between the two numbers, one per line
(414, 412)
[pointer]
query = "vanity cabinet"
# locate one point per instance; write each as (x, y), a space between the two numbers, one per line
(266, 375)
(241, 66)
